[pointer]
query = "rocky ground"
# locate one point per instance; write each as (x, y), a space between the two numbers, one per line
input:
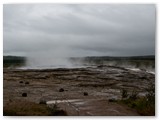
(79, 91)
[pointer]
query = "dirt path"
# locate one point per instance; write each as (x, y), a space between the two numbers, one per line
(95, 107)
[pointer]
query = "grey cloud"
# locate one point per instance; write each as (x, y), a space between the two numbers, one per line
(79, 30)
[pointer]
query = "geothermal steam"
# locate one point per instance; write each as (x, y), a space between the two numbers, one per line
(57, 57)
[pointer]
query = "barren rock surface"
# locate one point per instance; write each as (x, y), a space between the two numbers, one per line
(100, 82)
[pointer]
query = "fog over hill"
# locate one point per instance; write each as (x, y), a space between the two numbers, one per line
(140, 62)
(49, 34)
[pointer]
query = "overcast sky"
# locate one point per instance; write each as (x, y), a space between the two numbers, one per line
(79, 30)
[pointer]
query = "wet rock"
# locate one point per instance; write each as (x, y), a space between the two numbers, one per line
(101, 66)
(20, 81)
(61, 90)
(85, 93)
(143, 77)
(120, 75)
(26, 83)
(24, 94)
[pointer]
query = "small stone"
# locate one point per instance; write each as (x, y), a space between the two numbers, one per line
(61, 90)
(20, 81)
(26, 82)
(24, 94)
(85, 94)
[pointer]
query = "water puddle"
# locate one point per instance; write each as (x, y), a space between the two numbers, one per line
(134, 69)
(63, 101)
(137, 70)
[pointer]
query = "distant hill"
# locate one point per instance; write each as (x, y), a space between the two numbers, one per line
(135, 61)
(93, 58)
(13, 61)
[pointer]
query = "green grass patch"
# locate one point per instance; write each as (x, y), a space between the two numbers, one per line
(26, 108)
(144, 105)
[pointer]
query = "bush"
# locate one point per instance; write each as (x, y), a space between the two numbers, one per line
(134, 95)
(144, 105)
(55, 111)
(42, 102)
(25, 108)
(124, 93)
(151, 93)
